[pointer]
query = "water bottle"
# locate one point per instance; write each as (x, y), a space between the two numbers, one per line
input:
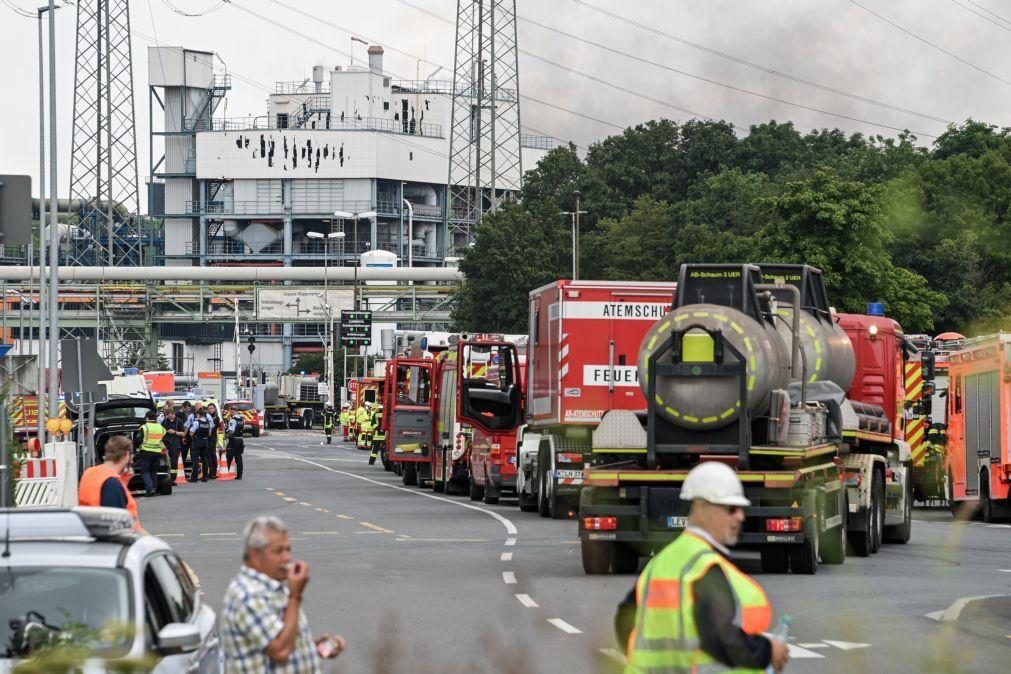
(781, 631)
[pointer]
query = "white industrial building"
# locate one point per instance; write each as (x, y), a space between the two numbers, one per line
(264, 190)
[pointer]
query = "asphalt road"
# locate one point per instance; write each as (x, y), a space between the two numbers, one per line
(420, 582)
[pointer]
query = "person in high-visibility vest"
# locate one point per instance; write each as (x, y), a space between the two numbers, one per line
(692, 609)
(359, 416)
(151, 448)
(378, 434)
(345, 419)
(329, 419)
(101, 485)
(364, 439)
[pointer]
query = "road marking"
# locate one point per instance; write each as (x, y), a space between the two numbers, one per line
(799, 652)
(303, 503)
(290, 499)
(269, 488)
(345, 517)
(507, 557)
(510, 541)
(952, 612)
(322, 510)
(279, 493)
(564, 626)
(526, 600)
(846, 645)
(222, 533)
(508, 577)
(504, 521)
(377, 528)
(320, 533)
(169, 535)
(614, 654)
(367, 532)
(1004, 570)
(814, 645)
(408, 539)
(997, 526)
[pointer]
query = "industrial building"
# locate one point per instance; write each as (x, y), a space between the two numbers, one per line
(346, 167)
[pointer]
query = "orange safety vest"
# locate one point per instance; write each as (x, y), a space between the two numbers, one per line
(89, 491)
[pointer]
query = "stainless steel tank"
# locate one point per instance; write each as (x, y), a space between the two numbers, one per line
(270, 393)
(828, 353)
(705, 402)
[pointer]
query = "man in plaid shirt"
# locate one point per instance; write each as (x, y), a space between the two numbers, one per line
(263, 627)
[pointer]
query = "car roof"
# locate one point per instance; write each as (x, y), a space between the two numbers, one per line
(57, 552)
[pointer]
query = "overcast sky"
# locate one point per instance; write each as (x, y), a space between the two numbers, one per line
(833, 43)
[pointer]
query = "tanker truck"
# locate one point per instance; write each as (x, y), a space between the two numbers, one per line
(754, 369)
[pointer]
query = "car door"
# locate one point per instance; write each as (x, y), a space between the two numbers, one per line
(172, 597)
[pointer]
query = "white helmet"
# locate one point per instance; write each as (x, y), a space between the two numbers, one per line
(716, 483)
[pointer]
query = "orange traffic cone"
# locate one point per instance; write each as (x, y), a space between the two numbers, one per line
(224, 473)
(181, 472)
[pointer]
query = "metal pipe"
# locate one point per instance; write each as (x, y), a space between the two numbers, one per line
(238, 274)
(798, 369)
(410, 233)
(40, 359)
(54, 230)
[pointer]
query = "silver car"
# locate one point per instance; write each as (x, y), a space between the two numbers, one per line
(81, 576)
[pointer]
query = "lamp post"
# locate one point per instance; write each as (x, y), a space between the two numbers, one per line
(329, 310)
(344, 215)
(575, 236)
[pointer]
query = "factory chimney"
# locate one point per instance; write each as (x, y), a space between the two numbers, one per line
(376, 59)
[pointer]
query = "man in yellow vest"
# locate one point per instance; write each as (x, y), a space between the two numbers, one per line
(151, 449)
(345, 418)
(692, 610)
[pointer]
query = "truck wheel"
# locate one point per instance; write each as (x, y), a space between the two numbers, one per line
(878, 510)
(862, 542)
(624, 558)
(775, 559)
(547, 499)
(476, 492)
(410, 475)
(307, 419)
(490, 493)
(985, 502)
(256, 431)
(528, 504)
(900, 533)
(596, 557)
(804, 558)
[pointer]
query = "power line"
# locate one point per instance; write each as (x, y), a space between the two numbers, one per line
(993, 14)
(981, 15)
(18, 10)
(931, 44)
(191, 15)
(756, 66)
(718, 83)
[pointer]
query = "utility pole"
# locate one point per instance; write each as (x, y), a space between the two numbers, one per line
(54, 230)
(575, 235)
(41, 360)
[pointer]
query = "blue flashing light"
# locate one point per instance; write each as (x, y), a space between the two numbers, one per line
(424, 343)
(875, 308)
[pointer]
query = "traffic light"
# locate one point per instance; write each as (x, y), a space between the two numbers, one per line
(252, 344)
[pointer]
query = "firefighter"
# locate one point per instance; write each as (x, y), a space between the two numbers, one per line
(692, 589)
(345, 418)
(364, 438)
(151, 448)
(378, 435)
(329, 418)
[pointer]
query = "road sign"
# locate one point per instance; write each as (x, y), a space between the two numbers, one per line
(356, 328)
(302, 303)
(4, 348)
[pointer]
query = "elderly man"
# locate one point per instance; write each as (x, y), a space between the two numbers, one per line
(692, 609)
(263, 627)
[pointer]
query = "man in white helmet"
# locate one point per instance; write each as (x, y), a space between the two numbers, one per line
(692, 609)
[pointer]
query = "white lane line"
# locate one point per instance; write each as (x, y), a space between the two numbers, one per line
(509, 541)
(814, 645)
(506, 556)
(408, 539)
(303, 503)
(504, 521)
(290, 499)
(508, 577)
(526, 600)
(799, 653)
(169, 535)
(997, 526)
(846, 645)
(221, 533)
(952, 612)
(345, 517)
(320, 533)
(614, 654)
(1001, 570)
(372, 526)
(564, 626)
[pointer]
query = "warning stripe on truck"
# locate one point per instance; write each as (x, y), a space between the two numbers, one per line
(916, 434)
(914, 382)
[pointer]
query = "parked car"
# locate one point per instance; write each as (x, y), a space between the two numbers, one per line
(250, 415)
(81, 576)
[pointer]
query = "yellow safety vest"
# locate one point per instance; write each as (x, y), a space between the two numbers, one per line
(345, 417)
(665, 638)
(153, 434)
(361, 415)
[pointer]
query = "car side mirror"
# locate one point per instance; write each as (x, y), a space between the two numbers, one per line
(177, 638)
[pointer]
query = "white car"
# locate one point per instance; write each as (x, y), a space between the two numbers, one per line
(81, 576)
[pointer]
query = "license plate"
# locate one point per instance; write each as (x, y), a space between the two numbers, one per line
(677, 522)
(568, 473)
(512, 460)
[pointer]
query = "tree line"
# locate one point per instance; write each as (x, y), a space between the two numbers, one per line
(926, 230)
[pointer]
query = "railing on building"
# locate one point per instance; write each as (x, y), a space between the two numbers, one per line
(337, 255)
(265, 123)
(300, 87)
(444, 87)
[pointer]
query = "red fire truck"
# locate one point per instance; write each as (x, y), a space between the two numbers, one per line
(453, 419)
(581, 362)
(979, 426)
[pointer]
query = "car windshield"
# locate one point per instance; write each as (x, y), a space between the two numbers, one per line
(71, 604)
(241, 407)
(110, 413)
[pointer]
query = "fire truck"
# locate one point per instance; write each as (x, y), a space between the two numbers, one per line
(755, 374)
(979, 426)
(583, 343)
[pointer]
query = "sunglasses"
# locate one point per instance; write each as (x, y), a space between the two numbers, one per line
(732, 509)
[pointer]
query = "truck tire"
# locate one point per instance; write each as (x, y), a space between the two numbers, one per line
(596, 557)
(491, 494)
(476, 491)
(878, 510)
(985, 502)
(624, 558)
(804, 556)
(256, 431)
(900, 533)
(547, 499)
(410, 475)
(775, 559)
(528, 504)
(307, 419)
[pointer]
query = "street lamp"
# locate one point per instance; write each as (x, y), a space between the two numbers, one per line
(329, 310)
(344, 215)
(575, 235)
